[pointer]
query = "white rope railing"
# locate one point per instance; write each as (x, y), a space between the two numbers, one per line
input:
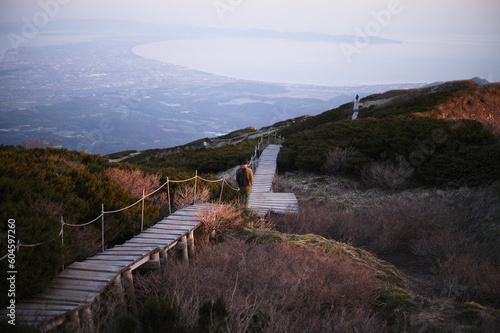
(253, 163)
(103, 213)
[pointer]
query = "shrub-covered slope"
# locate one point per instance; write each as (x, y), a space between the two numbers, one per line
(37, 187)
(398, 134)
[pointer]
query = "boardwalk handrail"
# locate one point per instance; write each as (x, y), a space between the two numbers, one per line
(103, 212)
(253, 164)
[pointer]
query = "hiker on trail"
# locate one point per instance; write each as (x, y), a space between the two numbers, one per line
(244, 178)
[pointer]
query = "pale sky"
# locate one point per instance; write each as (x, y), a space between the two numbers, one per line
(467, 29)
(423, 18)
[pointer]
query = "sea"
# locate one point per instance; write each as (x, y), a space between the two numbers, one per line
(331, 64)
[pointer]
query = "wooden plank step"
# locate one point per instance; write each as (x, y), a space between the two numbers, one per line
(131, 249)
(112, 256)
(89, 276)
(157, 236)
(155, 231)
(186, 219)
(68, 283)
(42, 303)
(70, 297)
(37, 313)
(87, 266)
(174, 227)
(156, 242)
(33, 311)
(110, 262)
(81, 294)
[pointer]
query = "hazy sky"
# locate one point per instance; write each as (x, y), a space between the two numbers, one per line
(425, 18)
(473, 26)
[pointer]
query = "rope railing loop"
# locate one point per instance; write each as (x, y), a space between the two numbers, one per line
(223, 181)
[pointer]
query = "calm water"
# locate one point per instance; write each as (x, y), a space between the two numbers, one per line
(323, 63)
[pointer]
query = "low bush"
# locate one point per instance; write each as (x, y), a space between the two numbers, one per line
(388, 174)
(440, 151)
(435, 232)
(337, 159)
(37, 187)
(270, 288)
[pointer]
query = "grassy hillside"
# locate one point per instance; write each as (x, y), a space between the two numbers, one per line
(372, 250)
(401, 138)
(39, 186)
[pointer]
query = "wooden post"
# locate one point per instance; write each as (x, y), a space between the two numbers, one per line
(128, 286)
(102, 232)
(154, 259)
(195, 182)
(118, 285)
(182, 247)
(168, 197)
(142, 217)
(221, 189)
(74, 318)
(163, 257)
(62, 241)
(88, 320)
(190, 244)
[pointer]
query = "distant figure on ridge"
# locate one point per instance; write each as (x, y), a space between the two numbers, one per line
(357, 104)
(244, 178)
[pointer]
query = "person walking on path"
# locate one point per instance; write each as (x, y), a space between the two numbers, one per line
(244, 178)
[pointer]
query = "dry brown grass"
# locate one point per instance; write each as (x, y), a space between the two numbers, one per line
(381, 229)
(388, 174)
(218, 219)
(433, 233)
(135, 181)
(337, 158)
(479, 103)
(465, 278)
(287, 288)
(185, 196)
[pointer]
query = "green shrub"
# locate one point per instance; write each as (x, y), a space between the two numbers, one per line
(37, 187)
(440, 151)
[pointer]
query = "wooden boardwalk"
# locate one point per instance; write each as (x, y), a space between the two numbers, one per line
(262, 200)
(72, 291)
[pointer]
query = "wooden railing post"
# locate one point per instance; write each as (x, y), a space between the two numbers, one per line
(128, 285)
(168, 197)
(190, 244)
(88, 320)
(182, 247)
(62, 241)
(142, 217)
(118, 285)
(163, 257)
(221, 189)
(195, 182)
(102, 231)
